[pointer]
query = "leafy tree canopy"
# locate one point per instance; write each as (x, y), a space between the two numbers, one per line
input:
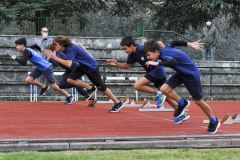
(64, 8)
(180, 15)
(177, 15)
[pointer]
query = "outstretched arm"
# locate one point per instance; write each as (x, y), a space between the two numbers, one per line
(195, 45)
(24, 59)
(114, 62)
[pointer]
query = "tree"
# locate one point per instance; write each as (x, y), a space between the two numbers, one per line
(35, 9)
(173, 15)
(46, 8)
(180, 15)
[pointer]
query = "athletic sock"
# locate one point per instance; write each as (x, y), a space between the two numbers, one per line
(213, 120)
(181, 102)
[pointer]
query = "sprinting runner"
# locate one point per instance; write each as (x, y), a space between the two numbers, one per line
(187, 73)
(45, 43)
(63, 84)
(155, 75)
(87, 66)
(43, 67)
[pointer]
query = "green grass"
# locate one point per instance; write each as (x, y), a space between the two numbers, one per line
(154, 154)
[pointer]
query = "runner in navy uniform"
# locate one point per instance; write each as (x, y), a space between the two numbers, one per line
(63, 81)
(187, 73)
(155, 75)
(87, 66)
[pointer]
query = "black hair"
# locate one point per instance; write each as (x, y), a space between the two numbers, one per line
(21, 41)
(151, 46)
(128, 41)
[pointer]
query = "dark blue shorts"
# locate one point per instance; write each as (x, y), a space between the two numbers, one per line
(157, 76)
(156, 81)
(192, 84)
(94, 77)
(157, 73)
(48, 74)
(63, 84)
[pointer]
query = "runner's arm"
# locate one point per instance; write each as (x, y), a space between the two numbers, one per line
(24, 59)
(169, 63)
(195, 45)
(114, 62)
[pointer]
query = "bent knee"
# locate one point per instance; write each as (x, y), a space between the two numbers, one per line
(54, 86)
(164, 88)
(70, 81)
(136, 86)
(102, 88)
(29, 80)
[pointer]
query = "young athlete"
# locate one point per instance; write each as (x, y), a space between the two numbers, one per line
(187, 73)
(43, 67)
(46, 42)
(87, 66)
(154, 75)
(63, 84)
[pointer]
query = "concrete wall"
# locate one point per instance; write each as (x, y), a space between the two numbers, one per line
(100, 47)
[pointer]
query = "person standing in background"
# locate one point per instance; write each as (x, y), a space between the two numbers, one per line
(45, 39)
(209, 37)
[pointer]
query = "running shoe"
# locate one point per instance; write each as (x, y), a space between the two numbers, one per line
(116, 107)
(69, 100)
(92, 102)
(160, 99)
(43, 90)
(91, 92)
(181, 110)
(181, 119)
(213, 127)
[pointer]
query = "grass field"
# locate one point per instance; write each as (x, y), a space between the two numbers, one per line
(154, 154)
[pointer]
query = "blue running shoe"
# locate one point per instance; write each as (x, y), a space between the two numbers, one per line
(213, 127)
(160, 99)
(181, 110)
(181, 118)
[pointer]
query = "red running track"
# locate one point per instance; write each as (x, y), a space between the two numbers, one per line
(56, 120)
